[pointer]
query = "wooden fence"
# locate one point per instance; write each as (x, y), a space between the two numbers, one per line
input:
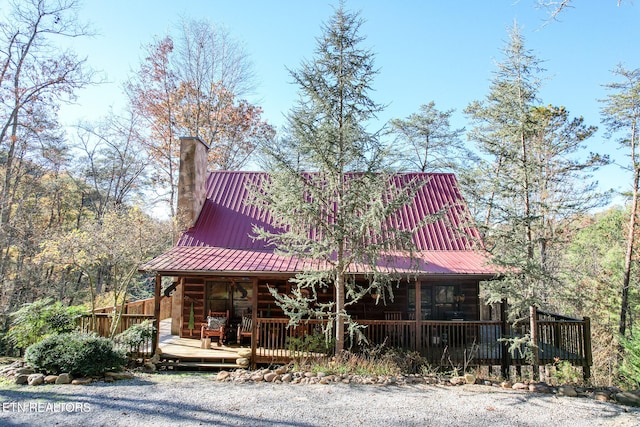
(100, 323)
(134, 312)
(145, 306)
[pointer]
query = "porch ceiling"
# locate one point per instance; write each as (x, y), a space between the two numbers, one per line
(207, 259)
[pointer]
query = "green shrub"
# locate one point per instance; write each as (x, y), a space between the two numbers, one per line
(312, 343)
(629, 369)
(565, 373)
(136, 335)
(77, 353)
(36, 320)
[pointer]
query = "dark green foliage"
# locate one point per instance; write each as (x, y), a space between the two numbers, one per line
(136, 336)
(76, 353)
(429, 144)
(530, 185)
(36, 320)
(629, 369)
(312, 343)
(337, 215)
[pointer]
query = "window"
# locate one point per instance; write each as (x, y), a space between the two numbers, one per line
(425, 301)
(445, 294)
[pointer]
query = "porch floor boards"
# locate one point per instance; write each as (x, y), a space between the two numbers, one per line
(186, 352)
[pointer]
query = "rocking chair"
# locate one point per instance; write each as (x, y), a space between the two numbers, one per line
(215, 326)
(245, 328)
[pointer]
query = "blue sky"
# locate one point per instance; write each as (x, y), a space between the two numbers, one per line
(426, 51)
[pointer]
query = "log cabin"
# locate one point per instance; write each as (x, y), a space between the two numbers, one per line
(217, 267)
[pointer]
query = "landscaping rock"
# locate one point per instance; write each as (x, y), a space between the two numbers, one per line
(567, 391)
(149, 367)
(27, 371)
(64, 378)
(287, 378)
(246, 353)
(119, 375)
(270, 377)
(520, 386)
(601, 396)
(35, 379)
(506, 384)
(82, 381)
(470, 378)
(243, 362)
(457, 380)
(540, 388)
(50, 379)
(629, 398)
(281, 370)
(223, 376)
(21, 379)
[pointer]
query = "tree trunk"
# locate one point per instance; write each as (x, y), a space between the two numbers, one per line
(339, 313)
(624, 304)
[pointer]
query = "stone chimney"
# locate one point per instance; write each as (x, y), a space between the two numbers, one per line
(192, 180)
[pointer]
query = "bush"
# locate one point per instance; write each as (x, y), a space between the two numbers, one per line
(77, 353)
(629, 369)
(565, 373)
(36, 320)
(312, 343)
(136, 335)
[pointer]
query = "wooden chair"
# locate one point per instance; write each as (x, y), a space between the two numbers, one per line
(215, 325)
(245, 328)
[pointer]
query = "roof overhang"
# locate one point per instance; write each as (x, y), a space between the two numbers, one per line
(207, 260)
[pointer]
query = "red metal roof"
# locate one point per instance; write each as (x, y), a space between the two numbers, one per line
(221, 239)
(226, 220)
(203, 259)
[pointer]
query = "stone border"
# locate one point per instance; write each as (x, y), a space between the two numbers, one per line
(20, 373)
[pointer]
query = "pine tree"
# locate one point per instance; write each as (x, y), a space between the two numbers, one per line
(533, 187)
(621, 115)
(429, 142)
(336, 212)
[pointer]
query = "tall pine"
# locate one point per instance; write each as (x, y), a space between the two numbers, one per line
(336, 210)
(531, 182)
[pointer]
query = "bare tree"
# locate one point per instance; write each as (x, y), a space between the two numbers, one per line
(556, 7)
(35, 77)
(112, 161)
(192, 85)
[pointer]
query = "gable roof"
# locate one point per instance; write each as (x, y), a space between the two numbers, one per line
(221, 242)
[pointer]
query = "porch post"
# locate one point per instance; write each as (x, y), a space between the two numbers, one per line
(418, 316)
(254, 323)
(156, 313)
(504, 361)
(586, 331)
(533, 319)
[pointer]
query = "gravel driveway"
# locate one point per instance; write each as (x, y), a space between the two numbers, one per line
(196, 399)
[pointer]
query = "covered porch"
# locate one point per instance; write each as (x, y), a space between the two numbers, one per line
(453, 328)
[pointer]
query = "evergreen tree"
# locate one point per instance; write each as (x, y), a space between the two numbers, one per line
(336, 213)
(429, 143)
(621, 116)
(533, 187)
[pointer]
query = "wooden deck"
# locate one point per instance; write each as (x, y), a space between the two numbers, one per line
(186, 352)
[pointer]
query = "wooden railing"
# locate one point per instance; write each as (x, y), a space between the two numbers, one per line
(445, 343)
(100, 323)
(277, 342)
